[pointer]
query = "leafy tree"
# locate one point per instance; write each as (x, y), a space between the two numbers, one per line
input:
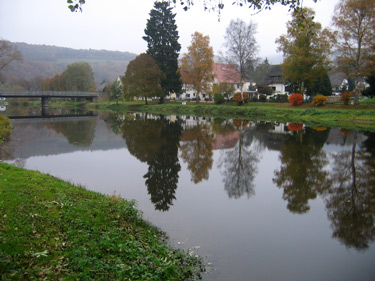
(241, 47)
(224, 89)
(198, 64)
(79, 77)
(355, 36)
(162, 44)
(305, 48)
(143, 77)
(116, 90)
(57, 83)
(75, 5)
(8, 54)
(265, 90)
(323, 85)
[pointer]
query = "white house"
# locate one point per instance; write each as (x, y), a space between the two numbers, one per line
(274, 79)
(224, 73)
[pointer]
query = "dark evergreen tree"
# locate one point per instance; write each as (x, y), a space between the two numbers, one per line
(323, 86)
(370, 91)
(162, 44)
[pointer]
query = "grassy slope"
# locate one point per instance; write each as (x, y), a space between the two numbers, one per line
(337, 115)
(5, 128)
(52, 230)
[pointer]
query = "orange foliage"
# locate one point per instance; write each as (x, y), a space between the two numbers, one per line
(345, 97)
(296, 99)
(238, 98)
(295, 127)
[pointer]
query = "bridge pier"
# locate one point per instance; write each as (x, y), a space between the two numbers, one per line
(45, 101)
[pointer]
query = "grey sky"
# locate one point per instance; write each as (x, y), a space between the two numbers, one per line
(119, 24)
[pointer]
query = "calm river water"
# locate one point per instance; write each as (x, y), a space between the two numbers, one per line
(257, 200)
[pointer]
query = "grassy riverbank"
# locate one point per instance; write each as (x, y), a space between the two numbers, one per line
(52, 230)
(333, 115)
(5, 128)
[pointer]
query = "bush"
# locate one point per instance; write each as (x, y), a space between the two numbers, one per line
(218, 98)
(345, 97)
(319, 100)
(262, 98)
(238, 98)
(296, 99)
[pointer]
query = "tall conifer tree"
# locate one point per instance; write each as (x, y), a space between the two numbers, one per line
(162, 44)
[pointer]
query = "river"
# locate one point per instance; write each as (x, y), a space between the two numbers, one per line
(257, 200)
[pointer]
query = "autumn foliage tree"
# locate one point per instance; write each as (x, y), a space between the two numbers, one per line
(198, 64)
(143, 78)
(306, 48)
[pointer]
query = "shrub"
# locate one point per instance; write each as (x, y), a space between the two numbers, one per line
(238, 98)
(218, 98)
(262, 98)
(319, 100)
(296, 99)
(345, 97)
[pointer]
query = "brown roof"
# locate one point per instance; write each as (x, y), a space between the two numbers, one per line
(227, 73)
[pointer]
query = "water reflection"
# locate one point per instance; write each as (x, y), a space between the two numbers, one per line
(154, 141)
(196, 149)
(240, 163)
(350, 197)
(336, 165)
(302, 175)
(79, 133)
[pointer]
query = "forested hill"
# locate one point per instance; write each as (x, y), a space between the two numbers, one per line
(46, 61)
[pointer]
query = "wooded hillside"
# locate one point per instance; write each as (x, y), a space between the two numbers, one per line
(46, 61)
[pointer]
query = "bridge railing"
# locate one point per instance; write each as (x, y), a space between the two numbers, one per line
(8, 93)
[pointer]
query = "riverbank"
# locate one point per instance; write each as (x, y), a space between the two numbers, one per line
(52, 230)
(333, 115)
(5, 128)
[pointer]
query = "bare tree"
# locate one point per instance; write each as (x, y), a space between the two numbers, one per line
(8, 54)
(241, 47)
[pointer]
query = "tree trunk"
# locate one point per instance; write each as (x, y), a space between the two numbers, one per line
(161, 100)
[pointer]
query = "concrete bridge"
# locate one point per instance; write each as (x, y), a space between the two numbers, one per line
(46, 95)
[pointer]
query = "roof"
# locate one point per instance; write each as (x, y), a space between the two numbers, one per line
(227, 73)
(274, 76)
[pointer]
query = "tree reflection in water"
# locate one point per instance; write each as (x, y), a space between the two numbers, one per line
(196, 150)
(350, 199)
(302, 173)
(79, 133)
(163, 169)
(155, 141)
(240, 165)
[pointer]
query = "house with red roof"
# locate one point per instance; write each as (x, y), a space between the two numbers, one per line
(224, 73)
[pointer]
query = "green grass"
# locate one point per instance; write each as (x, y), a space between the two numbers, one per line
(52, 230)
(5, 128)
(332, 115)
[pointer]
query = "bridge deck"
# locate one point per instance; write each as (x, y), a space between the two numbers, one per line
(47, 94)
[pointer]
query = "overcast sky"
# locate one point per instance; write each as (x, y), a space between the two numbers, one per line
(119, 24)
